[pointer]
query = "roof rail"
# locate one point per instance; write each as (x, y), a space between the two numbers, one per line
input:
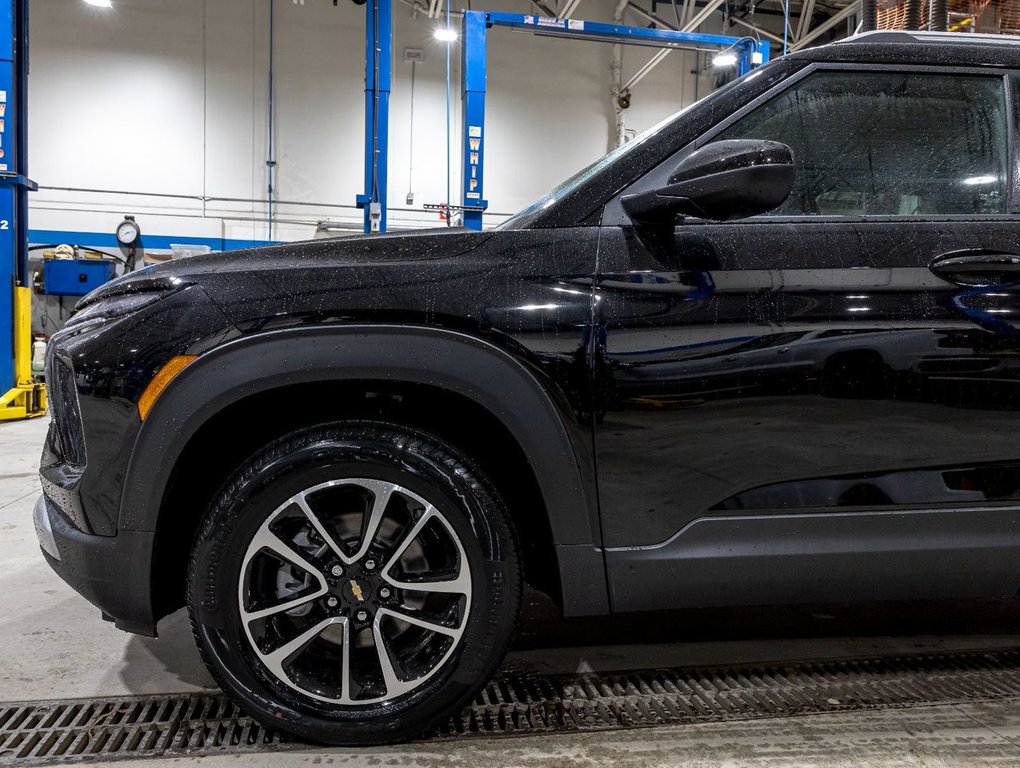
(921, 36)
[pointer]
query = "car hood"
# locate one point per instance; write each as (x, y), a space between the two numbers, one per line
(364, 251)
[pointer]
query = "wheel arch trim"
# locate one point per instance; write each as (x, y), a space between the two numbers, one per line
(459, 363)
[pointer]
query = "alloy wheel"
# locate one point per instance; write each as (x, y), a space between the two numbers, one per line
(354, 591)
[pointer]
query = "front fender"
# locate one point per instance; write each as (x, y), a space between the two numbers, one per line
(505, 385)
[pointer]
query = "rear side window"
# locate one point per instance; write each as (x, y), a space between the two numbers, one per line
(889, 144)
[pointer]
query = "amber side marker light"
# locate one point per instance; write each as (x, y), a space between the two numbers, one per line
(159, 382)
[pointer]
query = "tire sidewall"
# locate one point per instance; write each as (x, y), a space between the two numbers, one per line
(415, 461)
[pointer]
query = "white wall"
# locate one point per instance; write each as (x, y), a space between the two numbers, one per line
(154, 105)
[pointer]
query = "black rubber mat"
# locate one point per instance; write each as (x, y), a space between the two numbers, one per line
(48, 732)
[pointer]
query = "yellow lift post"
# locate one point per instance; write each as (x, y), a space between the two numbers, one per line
(27, 398)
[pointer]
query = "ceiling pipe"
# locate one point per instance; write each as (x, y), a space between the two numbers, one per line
(938, 16)
(620, 96)
(869, 15)
(913, 14)
(271, 118)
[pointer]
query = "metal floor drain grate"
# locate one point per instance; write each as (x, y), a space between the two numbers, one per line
(129, 726)
(195, 724)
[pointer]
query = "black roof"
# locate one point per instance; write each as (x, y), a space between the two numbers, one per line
(900, 47)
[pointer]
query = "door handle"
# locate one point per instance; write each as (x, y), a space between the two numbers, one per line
(977, 268)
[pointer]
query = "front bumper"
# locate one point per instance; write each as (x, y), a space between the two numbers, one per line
(112, 572)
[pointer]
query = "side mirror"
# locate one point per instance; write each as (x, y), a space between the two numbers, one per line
(721, 181)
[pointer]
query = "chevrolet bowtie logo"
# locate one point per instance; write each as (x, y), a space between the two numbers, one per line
(356, 589)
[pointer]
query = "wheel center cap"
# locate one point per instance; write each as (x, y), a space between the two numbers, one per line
(356, 591)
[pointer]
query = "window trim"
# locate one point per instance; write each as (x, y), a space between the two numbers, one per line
(614, 215)
(1013, 136)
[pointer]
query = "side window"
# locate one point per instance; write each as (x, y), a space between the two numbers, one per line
(889, 144)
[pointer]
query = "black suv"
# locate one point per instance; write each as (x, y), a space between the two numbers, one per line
(767, 353)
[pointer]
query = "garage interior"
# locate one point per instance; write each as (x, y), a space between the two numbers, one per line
(138, 131)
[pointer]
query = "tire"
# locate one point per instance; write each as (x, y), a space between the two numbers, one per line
(297, 645)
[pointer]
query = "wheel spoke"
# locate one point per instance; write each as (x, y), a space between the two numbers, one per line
(461, 585)
(381, 493)
(407, 540)
(346, 686)
(394, 685)
(276, 659)
(327, 537)
(266, 539)
(249, 616)
(458, 586)
(433, 626)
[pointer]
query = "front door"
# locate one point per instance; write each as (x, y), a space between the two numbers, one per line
(818, 404)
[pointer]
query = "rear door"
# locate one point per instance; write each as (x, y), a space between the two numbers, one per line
(817, 403)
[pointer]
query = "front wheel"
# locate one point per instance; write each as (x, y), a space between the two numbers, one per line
(356, 583)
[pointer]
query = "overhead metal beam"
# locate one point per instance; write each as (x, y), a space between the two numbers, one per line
(613, 33)
(821, 29)
(703, 16)
(568, 8)
(690, 26)
(544, 8)
(648, 66)
(807, 10)
(652, 17)
(748, 25)
(803, 24)
(657, 19)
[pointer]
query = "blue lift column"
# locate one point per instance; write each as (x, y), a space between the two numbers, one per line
(473, 52)
(378, 77)
(750, 54)
(21, 396)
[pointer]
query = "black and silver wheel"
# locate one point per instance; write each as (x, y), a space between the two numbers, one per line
(355, 583)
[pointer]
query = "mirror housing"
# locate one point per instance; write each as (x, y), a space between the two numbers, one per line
(721, 181)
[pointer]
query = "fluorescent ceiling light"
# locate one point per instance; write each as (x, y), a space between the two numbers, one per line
(724, 60)
(100, 3)
(446, 34)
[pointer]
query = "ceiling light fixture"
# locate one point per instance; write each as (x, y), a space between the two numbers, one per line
(445, 34)
(100, 3)
(724, 60)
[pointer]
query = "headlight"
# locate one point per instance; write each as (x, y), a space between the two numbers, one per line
(116, 306)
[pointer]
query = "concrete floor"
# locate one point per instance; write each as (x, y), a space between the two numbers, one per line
(53, 645)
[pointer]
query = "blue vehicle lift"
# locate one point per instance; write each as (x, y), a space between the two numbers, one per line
(750, 53)
(21, 396)
(378, 79)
